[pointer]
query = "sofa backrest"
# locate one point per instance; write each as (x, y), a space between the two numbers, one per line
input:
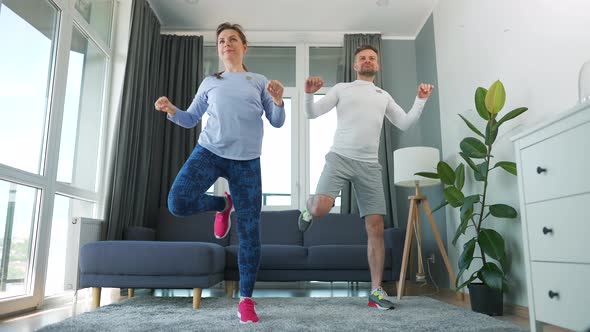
(196, 228)
(336, 229)
(276, 227)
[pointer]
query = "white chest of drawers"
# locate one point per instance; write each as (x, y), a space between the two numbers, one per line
(553, 162)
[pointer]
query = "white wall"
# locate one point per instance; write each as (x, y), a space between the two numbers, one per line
(536, 47)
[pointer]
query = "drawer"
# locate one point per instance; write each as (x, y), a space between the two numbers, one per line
(570, 307)
(558, 229)
(565, 158)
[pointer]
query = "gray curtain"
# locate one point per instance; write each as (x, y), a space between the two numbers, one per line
(181, 70)
(349, 204)
(146, 148)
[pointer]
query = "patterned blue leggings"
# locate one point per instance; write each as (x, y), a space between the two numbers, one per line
(187, 197)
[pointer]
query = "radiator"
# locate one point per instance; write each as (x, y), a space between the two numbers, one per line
(80, 231)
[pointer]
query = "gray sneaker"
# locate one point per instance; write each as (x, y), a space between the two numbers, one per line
(304, 221)
(377, 299)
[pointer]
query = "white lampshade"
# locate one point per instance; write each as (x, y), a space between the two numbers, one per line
(408, 161)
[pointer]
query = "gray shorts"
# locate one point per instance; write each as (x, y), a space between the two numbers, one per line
(366, 180)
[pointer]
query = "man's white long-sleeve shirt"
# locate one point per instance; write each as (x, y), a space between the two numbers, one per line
(360, 108)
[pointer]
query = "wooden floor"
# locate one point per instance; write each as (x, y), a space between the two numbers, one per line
(57, 312)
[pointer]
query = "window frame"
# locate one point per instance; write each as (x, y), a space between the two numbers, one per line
(67, 19)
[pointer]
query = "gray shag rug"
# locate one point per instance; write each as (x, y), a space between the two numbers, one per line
(147, 313)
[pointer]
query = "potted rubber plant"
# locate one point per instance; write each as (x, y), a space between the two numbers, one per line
(476, 210)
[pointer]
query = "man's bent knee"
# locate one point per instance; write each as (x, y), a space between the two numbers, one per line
(321, 205)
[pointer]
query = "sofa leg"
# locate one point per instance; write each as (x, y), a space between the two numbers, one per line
(95, 297)
(130, 292)
(197, 297)
(229, 285)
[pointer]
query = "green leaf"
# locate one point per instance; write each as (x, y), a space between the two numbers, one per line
(428, 175)
(468, 203)
(471, 126)
(492, 276)
(508, 166)
(466, 256)
(473, 147)
(511, 115)
(480, 104)
(495, 97)
(469, 161)
(460, 176)
(473, 277)
(447, 176)
(492, 243)
(503, 211)
(463, 225)
(491, 133)
(454, 196)
(482, 170)
(441, 205)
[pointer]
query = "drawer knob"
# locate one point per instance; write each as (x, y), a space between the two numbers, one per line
(541, 170)
(553, 294)
(547, 230)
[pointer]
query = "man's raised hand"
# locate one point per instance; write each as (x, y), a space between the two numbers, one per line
(313, 84)
(424, 90)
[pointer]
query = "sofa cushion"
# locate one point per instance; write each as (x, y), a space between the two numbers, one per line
(276, 227)
(196, 228)
(154, 258)
(273, 256)
(346, 257)
(336, 229)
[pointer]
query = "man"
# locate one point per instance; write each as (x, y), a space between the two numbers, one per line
(361, 107)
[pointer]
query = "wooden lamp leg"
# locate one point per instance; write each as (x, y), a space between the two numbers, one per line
(407, 245)
(441, 247)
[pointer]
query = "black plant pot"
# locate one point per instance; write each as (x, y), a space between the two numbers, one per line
(485, 299)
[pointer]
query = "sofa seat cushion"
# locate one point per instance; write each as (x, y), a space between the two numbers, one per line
(336, 257)
(273, 257)
(152, 258)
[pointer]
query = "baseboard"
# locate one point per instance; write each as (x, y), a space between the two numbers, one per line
(516, 310)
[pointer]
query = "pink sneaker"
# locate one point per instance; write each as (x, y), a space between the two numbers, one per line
(222, 222)
(246, 311)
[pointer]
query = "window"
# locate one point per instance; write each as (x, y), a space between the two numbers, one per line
(204, 119)
(275, 161)
(328, 63)
(18, 208)
(276, 63)
(79, 148)
(210, 61)
(25, 81)
(51, 134)
(97, 13)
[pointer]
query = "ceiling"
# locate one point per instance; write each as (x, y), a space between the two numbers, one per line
(392, 18)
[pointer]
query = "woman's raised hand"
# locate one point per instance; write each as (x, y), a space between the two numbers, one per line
(164, 105)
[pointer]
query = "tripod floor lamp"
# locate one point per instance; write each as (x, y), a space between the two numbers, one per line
(407, 162)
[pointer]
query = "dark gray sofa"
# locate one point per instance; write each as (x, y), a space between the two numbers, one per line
(183, 253)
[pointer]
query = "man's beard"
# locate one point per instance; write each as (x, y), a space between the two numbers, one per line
(367, 72)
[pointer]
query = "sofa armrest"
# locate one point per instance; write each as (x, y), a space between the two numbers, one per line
(138, 233)
(394, 242)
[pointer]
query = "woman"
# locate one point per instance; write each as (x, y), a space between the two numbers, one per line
(229, 147)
